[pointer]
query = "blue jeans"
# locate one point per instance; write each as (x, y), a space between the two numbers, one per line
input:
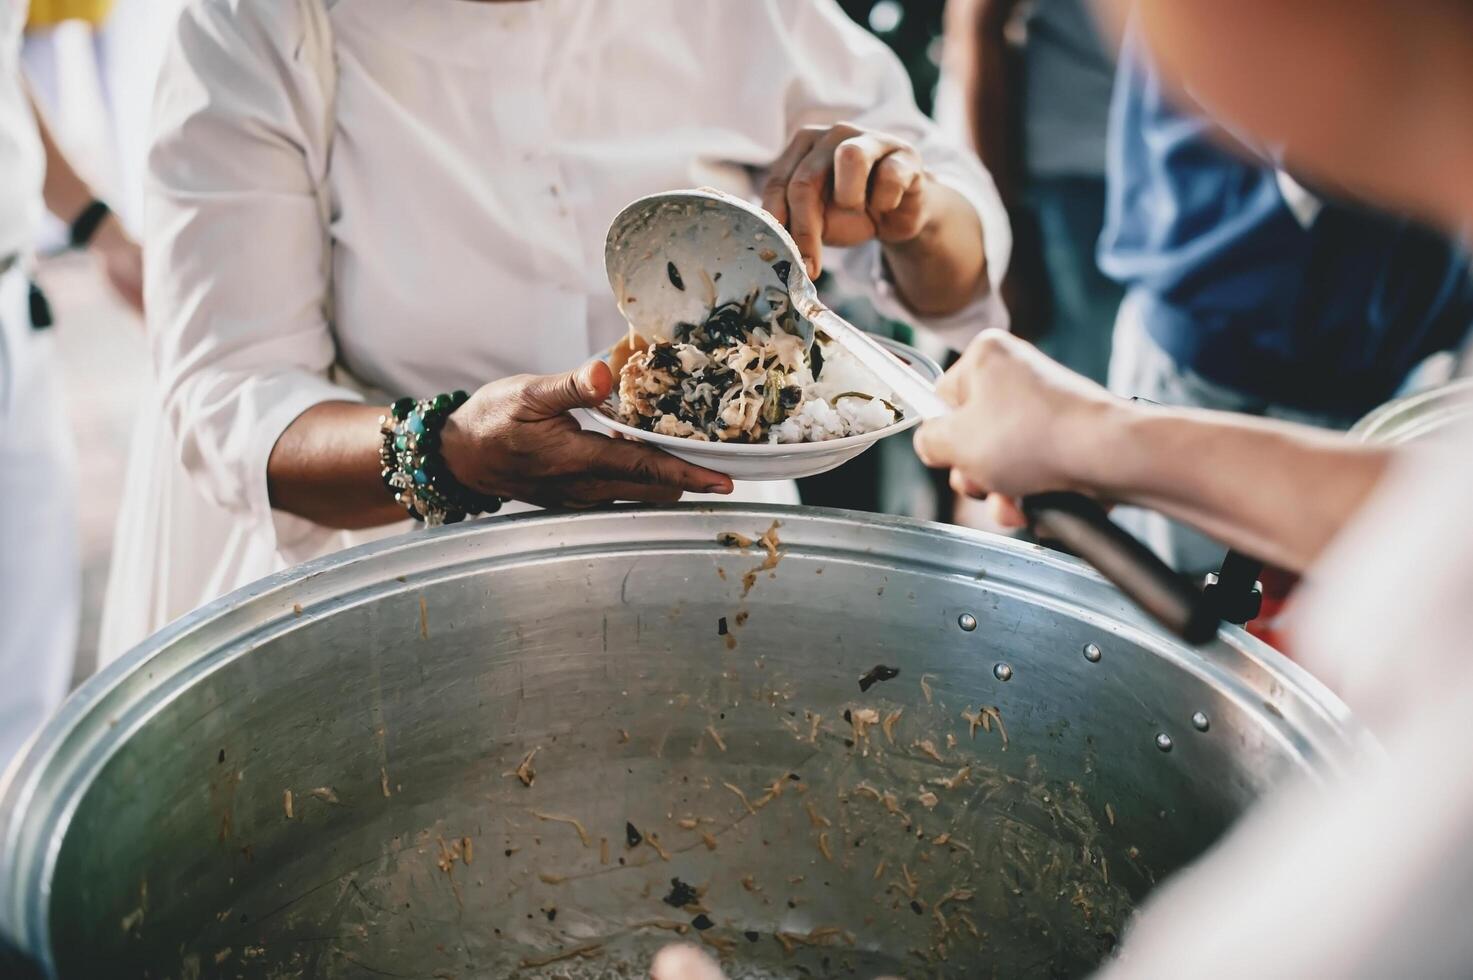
(1070, 212)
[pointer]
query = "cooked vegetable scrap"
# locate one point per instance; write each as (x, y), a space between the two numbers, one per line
(822, 936)
(926, 688)
(573, 822)
(731, 539)
(623, 736)
(995, 715)
(465, 850)
(687, 823)
(449, 854)
(813, 721)
(424, 619)
(865, 789)
(287, 803)
(654, 841)
(877, 674)
(584, 952)
(1110, 814)
(551, 879)
(749, 883)
(603, 850)
(950, 740)
(912, 884)
(815, 818)
(952, 782)
(888, 725)
(326, 795)
(879, 870)
(944, 840)
(721, 944)
(928, 799)
(744, 375)
(861, 719)
(667, 924)
(770, 543)
(524, 770)
(928, 748)
(741, 796)
(681, 894)
(709, 840)
(823, 846)
(383, 781)
(716, 737)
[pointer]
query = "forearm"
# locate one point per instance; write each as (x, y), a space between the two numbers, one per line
(66, 193)
(1277, 491)
(942, 269)
(325, 468)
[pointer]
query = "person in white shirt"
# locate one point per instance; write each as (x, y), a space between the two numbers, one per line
(40, 571)
(352, 202)
(1369, 873)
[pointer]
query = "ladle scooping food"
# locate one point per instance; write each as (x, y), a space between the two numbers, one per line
(673, 257)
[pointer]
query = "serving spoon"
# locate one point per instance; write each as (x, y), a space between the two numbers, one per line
(674, 257)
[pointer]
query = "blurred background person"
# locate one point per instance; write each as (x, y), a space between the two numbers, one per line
(1375, 97)
(1028, 83)
(1249, 292)
(39, 563)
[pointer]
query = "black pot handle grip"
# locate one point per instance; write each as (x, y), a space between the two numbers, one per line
(1083, 528)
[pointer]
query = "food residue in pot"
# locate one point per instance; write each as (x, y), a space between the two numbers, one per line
(876, 675)
(573, 822)
(524, 770)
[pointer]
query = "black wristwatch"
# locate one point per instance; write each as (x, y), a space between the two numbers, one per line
(87, 223)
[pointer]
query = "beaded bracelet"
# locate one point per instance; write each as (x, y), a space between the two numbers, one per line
(413, 469)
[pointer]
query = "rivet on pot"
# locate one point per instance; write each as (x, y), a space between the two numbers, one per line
(967, 622)
(1002, 672)
(1200, 722)
(1092, 653)
(1163, 742)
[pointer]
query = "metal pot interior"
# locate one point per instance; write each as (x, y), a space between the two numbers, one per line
(546, 746)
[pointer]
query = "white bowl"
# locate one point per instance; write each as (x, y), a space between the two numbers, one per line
(766, 461)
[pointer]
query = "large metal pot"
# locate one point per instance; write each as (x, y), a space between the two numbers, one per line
(1429, 414)
(565, 740)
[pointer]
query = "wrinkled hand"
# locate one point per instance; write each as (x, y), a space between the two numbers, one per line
(845, 185)
(1023, 424)
(121, 261)
(514, 438)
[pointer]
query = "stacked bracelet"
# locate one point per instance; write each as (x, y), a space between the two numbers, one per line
(413, 469)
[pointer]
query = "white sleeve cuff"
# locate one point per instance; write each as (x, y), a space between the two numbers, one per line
(294, 537)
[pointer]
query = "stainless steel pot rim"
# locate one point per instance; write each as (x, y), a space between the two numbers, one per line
(1418, 416)
(121, 698)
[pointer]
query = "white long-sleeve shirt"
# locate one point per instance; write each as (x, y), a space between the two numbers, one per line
(22, 163)
(1370, 876)
(416, 193)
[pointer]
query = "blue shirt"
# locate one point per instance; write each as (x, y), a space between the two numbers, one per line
(1330, 316)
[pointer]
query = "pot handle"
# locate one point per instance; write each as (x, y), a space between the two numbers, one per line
(1083, 527)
